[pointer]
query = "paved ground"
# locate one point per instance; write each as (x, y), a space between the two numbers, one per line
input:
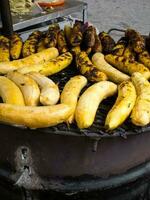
(106, 14)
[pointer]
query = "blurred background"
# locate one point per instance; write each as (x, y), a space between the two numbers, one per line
(106, 14)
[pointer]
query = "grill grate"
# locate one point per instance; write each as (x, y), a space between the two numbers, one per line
(97, 129)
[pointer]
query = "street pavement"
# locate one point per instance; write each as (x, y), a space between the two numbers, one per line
(106, 14)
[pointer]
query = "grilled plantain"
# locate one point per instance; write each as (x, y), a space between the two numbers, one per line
(61, 42)
(144, 58)
(119, 48)
(141, 112)
(51, 36)
(107, 42)
(76, 34)
(112, 73)
(97, 46)
(71, 93)
(67, 32)
(87, 69)
(33, 59)
(34, 116)
(41, 45)
(126, 65)
(30, 45)
(135, 40)
(15, 46)
(28, 87)
(4, 49)
(56, 65)
(89, 101)
(122, 107)
(49, 90)
(89, 37)
(10, 92)
(129, 53)
(51, 67)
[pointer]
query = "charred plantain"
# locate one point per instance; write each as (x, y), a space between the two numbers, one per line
(61, 42)
(89, 37)
(30, 45)
(126, 65)
(119, 48)
(97, 46)
(41, 45)
(67, 32)
(4, 49)
(16, 45)
(107, 42)
(87, 69)
(51, 36)
(129, 53)
(135, 40)
(144, 58)
(76, 34)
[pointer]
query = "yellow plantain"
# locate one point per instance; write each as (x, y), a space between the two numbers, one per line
(112, 73)
(141, 112)
(28, 87)
(49, 90)
(34, 116)
(10, 92)
(122, 107)
(56, 65)
(144, 58)
(4, 49)
(71, 93)
(34, 59)
(89, 101)
(15, 46)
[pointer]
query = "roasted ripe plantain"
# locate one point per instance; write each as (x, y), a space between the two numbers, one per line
(97, 46)
(119, 48)
(15, 46)
(56, 65)
(51, 36)
(107, 42)
(41, 45)
(144, 58)
(30, 44)
(61, 42)
(89, 37)
(4, 49)
(67, 32)
(136, 40)
(76, 34)
(87, 69)
(129, 53)
(29, 61)
(126, 65)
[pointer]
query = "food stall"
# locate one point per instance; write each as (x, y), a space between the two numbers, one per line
(49, 152)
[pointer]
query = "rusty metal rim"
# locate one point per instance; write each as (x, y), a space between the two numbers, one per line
(87, 183)
(94, 183)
